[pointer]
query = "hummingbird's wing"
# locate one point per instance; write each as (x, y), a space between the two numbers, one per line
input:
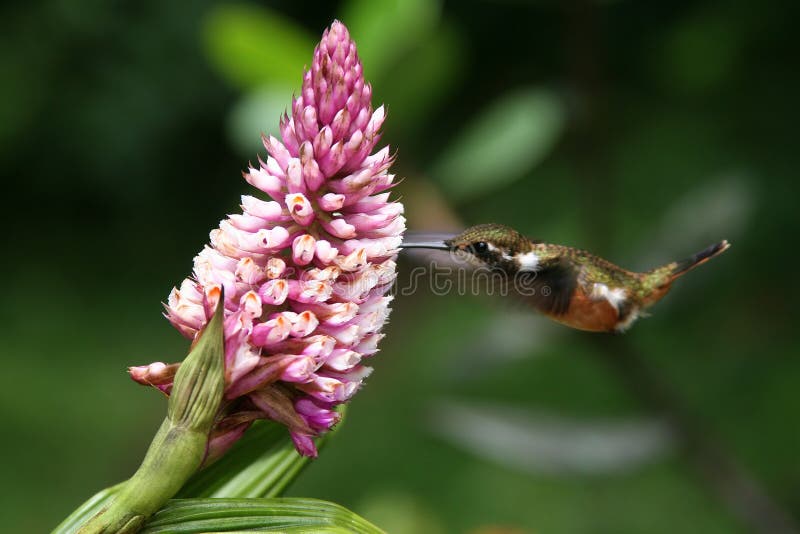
(550, 288)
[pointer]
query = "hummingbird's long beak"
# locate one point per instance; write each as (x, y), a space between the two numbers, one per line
(429, 241)
(430, 245)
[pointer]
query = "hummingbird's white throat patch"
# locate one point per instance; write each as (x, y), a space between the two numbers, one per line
(528, 261)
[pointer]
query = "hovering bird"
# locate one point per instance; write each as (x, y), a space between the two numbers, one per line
(569, 285)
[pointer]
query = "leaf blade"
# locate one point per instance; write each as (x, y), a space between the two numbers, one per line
(265, 514)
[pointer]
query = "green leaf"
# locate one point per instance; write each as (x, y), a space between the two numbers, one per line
(252, 46)
(503, 143)
(88, 509)
(384, 30)
(265, 515)
(261, 464)
(429, 72)
(701, 52)
(254, 113)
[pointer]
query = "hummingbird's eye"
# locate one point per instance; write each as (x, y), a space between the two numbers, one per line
(481, 247)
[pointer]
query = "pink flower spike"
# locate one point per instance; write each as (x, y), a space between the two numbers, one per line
(289, 136)
(306, 264)
(269, 211)
(322, 142)
(309, 122)
(334, 159)
(299, 369)
(319, 346)
(354, 261)
(249, 272)
(271, 370)
(312, 175)
(315, 415)
(300, 208)
(304, 444)
(276, 238)
(158, 374)
(341, 124)
(294, 177)
(271, 332)
(269, 184)
(331, 272)
(277, 404)
(275, 267)
(222, 438)
(249, 307)
(329, 389)
(345, 336)
(305, 323)
(340, 228)
(369, 345)
(274, 292)
(310, 290)
(276, 149)
(343, 359)
(334, 314)
(331, 201)
(325, 252)
(303, 249)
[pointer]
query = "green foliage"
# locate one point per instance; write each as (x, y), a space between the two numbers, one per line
(518, 130)
(261, 464)
(701, 52)
(253, 46)
(87, 510)
(256, 113)
(387, 29)
(263, 515)
(430, 71)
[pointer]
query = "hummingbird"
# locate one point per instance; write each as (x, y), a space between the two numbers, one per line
(567, 284)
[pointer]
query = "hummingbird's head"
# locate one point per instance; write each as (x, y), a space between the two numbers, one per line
(493, 245)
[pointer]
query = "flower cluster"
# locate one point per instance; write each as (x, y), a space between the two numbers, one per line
(305, 272)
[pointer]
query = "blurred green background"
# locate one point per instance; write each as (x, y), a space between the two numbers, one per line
(642, 131)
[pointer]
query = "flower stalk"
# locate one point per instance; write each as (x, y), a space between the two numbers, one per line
(180, 444)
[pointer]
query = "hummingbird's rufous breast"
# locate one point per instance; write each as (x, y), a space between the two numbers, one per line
(589, 313)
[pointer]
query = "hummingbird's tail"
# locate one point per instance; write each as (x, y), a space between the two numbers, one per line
(657, 282)
(679, 268)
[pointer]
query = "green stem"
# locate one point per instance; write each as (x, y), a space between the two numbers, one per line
(174, 451)
(179, 446)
